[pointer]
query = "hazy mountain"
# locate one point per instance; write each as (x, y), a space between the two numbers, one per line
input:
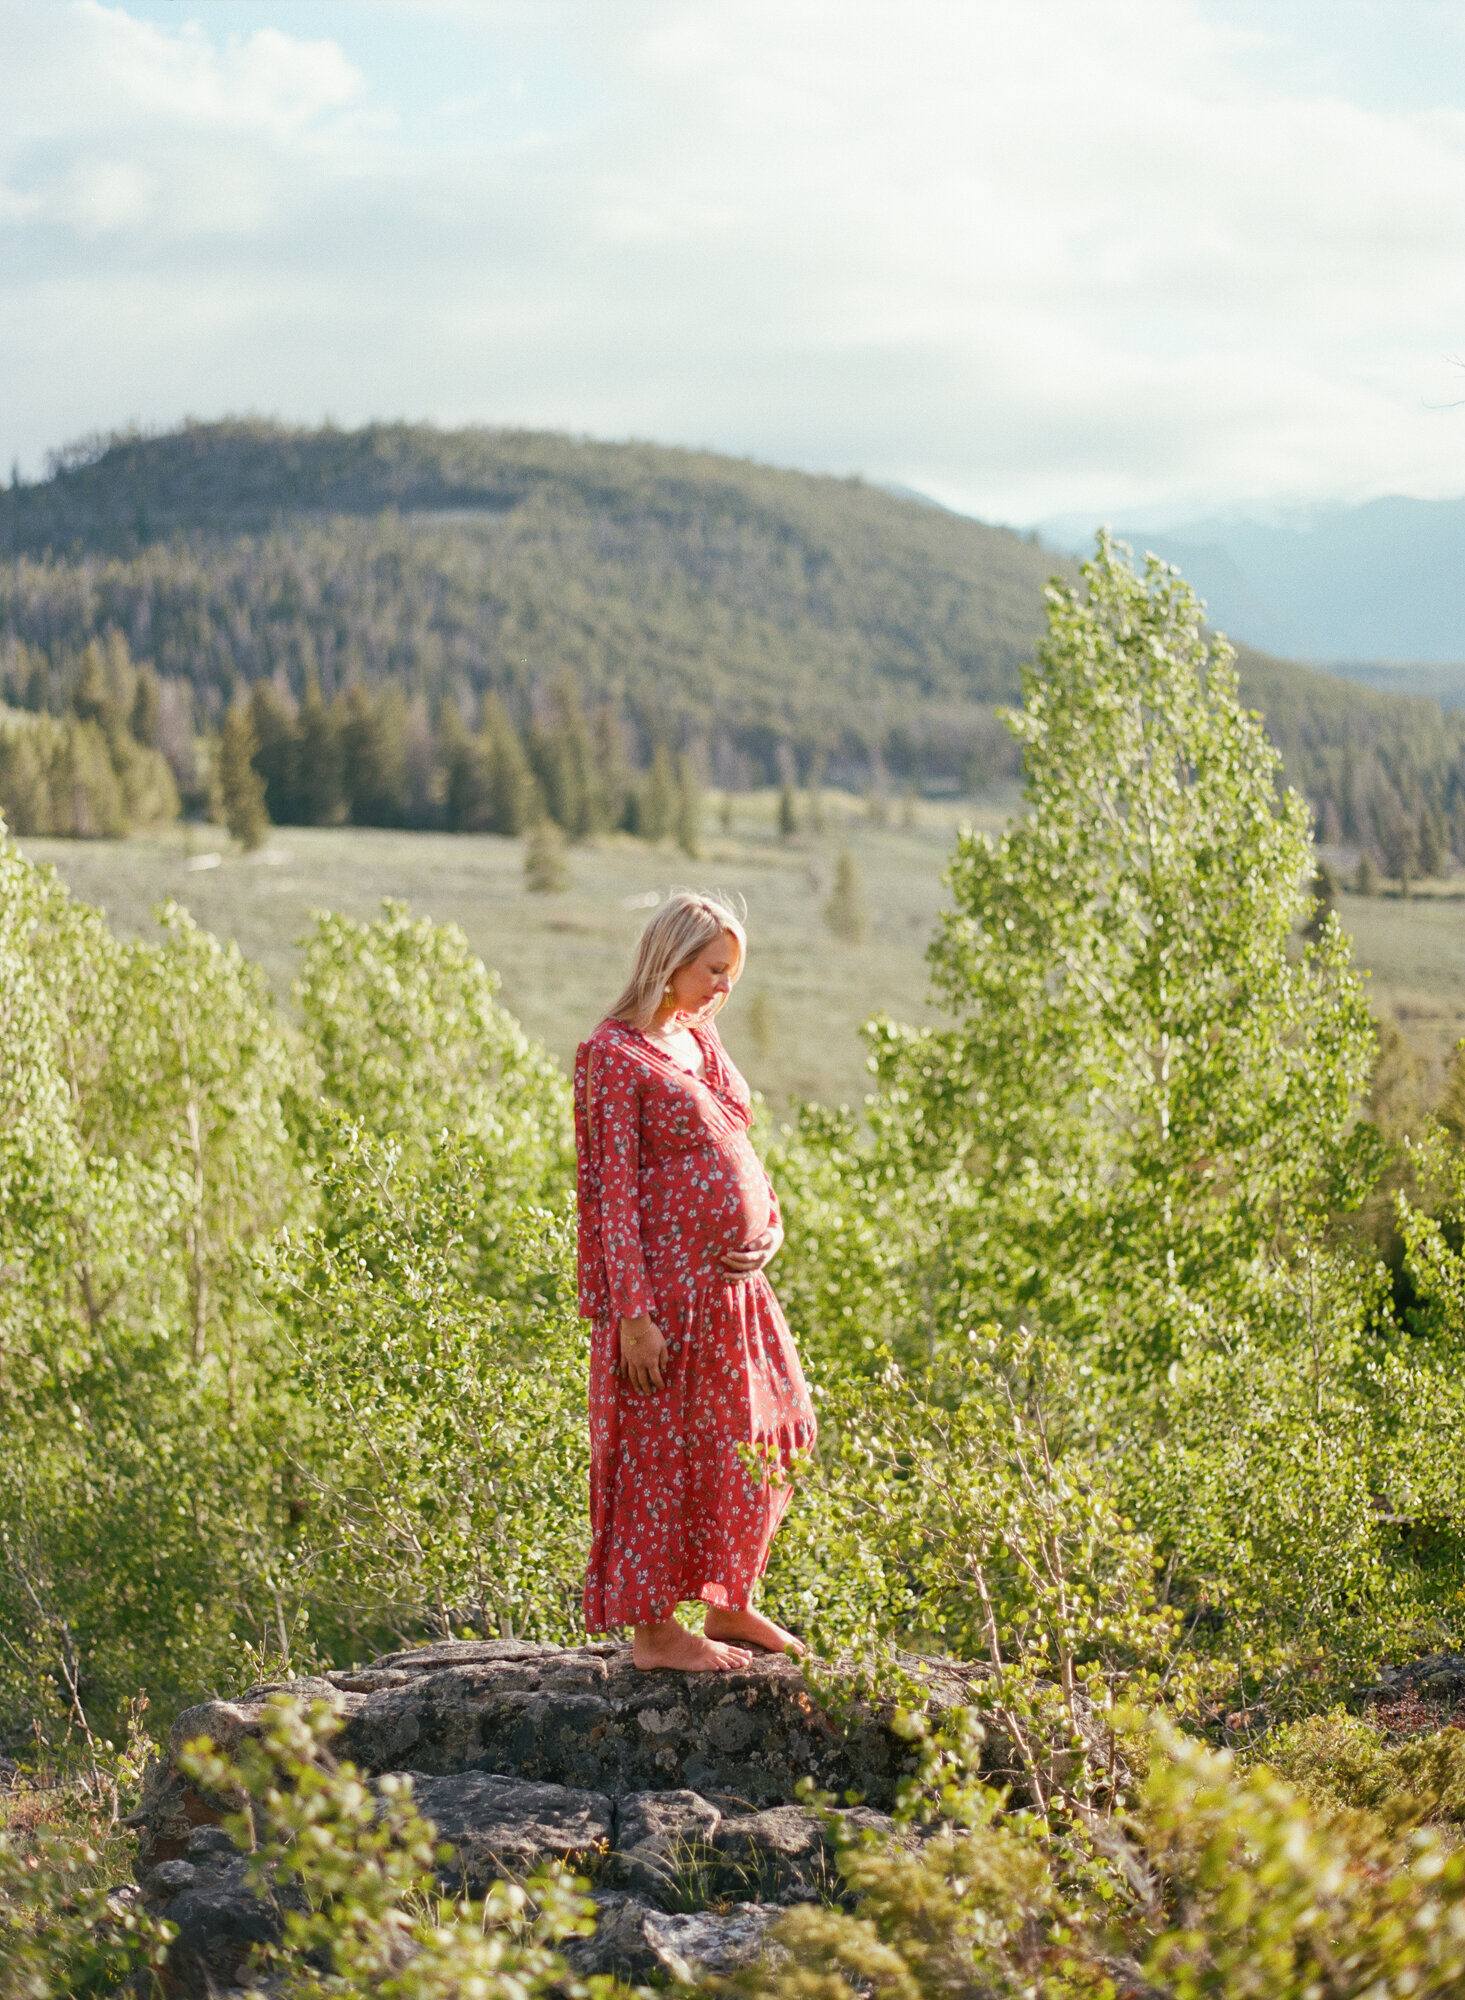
(1373, 592)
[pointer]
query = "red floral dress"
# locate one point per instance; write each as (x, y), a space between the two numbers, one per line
(668, 1181)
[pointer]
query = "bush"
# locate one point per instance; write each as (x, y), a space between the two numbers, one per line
(442, 1467)
(1214, 1882)
(1342, 1763)
(546, 869)
(64, 1933)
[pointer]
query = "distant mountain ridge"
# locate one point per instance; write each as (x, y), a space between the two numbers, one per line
(1373, 592)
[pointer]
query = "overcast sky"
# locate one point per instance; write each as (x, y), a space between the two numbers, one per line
(1031, 256)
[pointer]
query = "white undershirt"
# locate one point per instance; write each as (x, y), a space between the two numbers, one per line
(676, 1046)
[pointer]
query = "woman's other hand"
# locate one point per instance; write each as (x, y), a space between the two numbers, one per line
(642, 1351)
(753, 1256)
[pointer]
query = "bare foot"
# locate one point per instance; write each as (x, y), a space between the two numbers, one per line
(668, 1644)
(750, 1628)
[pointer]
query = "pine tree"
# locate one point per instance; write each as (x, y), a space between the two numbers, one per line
(613, 778)
(1325, 889)
(33, 680)
(467, 773)
(322, 790)
(546, 870)
(97, 698)
(374, 756)
(147, 705)
(87, 798)
(276, 752)
(563, 760)
(1365, 878)
(1431, 845)
(588, 811)
(514, 795)
(656, 798)
(25, 793)
(424, 787)
(788, 814)
(689, 809)
(241, 788)
(844, 913)
(1398, 839)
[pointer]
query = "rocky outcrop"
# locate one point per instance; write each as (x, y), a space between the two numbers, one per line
(674, 1794)
(1435, 1677)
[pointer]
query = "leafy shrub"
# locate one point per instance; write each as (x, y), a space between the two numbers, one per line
(961, 1514)
(172, 1150)
(1135, 1135)
(1341, 1763)
(442, 1468)
(1214, 1882)
(64, 1934)
(143, 1156)
(413, 1046)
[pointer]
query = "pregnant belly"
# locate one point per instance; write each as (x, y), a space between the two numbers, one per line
(713, 1200)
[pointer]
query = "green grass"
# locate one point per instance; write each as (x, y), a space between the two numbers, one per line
(793, 1022)
(1414, 952)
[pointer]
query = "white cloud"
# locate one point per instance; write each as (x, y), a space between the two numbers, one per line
(1031, 258)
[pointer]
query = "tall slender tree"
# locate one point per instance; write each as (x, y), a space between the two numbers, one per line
(241, 788)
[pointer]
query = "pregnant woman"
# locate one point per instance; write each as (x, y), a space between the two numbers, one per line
(690, 1355)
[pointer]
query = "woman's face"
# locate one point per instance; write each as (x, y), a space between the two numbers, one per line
(701, 986)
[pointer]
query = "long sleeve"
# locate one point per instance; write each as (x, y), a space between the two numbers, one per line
(613, 1282)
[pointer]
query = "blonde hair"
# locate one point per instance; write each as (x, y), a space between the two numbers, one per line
(681, 929)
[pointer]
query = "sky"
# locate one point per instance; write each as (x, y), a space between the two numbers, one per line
(1148, 259)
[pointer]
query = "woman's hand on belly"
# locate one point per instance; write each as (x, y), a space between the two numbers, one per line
(743, 1263)
(642, 1351)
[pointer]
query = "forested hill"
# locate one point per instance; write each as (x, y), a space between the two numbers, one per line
(709, 598)
(770, 623)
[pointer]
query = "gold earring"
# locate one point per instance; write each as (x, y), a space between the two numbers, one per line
(669, 996)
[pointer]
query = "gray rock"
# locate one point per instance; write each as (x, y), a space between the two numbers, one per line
(220, 1921)
(586, 1717)
(667, 1789)
(633, 1941)
(168, 1878)
(762, 1855)
(716, 1941)
(507, 1827)
(661, 1837)
(675, 1849)
(578, 1716)
(621, 1944)
(1437, 1675)
(227, 1723)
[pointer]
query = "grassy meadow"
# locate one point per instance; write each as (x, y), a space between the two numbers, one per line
(1413, 949)
(793, 1022)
